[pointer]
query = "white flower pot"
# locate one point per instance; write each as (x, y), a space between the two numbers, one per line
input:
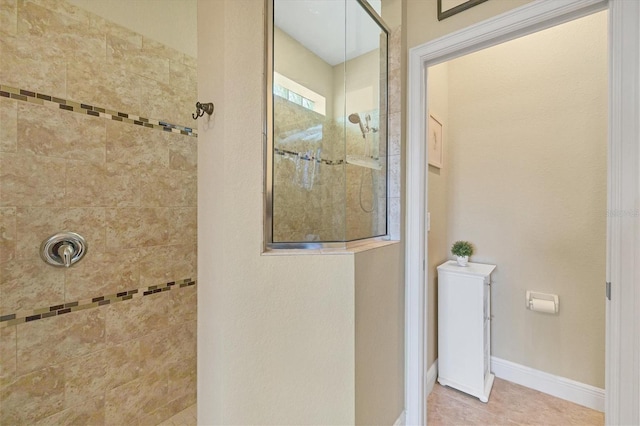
(462, 260)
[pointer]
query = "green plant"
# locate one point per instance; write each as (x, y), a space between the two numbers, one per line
(462, 248)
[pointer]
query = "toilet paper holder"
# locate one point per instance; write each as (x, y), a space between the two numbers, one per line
(542, 302)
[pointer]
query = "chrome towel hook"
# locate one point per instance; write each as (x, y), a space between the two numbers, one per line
(201, 109)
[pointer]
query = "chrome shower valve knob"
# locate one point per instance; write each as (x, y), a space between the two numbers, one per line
(63, 249)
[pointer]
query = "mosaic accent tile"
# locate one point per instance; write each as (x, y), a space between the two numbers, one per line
(8, 91)
(305, 157)
(93, 302)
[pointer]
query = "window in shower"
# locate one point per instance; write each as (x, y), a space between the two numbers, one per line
(326, 171)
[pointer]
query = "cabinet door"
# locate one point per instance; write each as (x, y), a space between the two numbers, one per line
(460, 330)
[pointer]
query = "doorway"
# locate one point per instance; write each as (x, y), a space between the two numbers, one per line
(524, 179)
(622, 310)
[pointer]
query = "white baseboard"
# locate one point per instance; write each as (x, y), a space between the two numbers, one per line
(432, 375)
(401, 420)
(560, 387)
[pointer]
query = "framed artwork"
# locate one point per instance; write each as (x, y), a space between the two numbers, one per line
(435, 141)
(448, 8)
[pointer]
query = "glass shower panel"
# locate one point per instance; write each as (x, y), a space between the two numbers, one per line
(308, 39)
(365, 99)
(328, 101)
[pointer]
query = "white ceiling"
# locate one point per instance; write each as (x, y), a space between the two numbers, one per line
(320, 25)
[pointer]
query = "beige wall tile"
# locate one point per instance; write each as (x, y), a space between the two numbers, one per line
(28, 65)
(121, 45)
(58, 339)
(155, 351)
(142, 62)
(88, 412)
(185, 225)
(7, 355)
(35, 224)
(69, 10)
(168, 411)
(8, 17)
(183, 77)
(190, 61)
(103, 273)
(161, 50)
(7, 234)
(132, 39)
(162, 264)
(8, 125)
(102, 184)
(103, 84)
(32, 397)
(130, 191)
(90, 376)
(182, 378)
(60, 30)
(136, 146)
(154, 96)
(138, 227)
(183, 306)
(164, 188)
(126, 403)
(136, 317)
(183, 152)
(51, 132)
(29, 284)
(31, 181)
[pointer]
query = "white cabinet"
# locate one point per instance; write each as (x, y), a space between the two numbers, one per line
(464, 329)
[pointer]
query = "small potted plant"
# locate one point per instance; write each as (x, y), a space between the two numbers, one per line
(462, 250)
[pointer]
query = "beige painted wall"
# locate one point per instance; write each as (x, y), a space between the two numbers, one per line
(438, 244)
(268, 326)
(527, 144)
(379, 328)
(423, 25)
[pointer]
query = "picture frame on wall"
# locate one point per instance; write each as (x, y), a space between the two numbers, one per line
(435, 141)
(448, 8)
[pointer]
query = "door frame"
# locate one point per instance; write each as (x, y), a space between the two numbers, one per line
(622, 345)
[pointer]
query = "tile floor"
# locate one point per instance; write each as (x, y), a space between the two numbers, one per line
(186, 417)
(509, 404)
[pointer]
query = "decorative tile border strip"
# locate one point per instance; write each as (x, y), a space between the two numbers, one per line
(109, 114)
(306, 157)
(95, 302)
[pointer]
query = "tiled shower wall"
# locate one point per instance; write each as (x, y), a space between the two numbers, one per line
(85, 147)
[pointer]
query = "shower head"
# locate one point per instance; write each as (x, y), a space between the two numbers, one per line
(355, 119)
